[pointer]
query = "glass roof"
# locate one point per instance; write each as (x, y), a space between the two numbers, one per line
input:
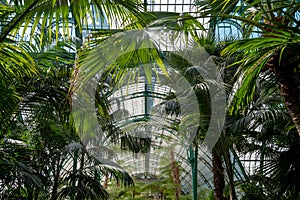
(178, 6)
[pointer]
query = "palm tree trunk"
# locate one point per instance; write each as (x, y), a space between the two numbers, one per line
(106, 180)
(218, 175)
(289, 81)
(175, 175)
(230, 172)
(290, 92)
(286, 71)
(55, 180)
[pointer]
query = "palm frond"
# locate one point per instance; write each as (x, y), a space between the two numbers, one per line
(51, 15)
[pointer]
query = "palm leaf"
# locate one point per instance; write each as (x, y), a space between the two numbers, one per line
(48, 12)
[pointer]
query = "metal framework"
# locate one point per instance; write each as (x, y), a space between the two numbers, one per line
(137, 109)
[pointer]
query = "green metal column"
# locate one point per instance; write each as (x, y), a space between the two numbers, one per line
(193, 161)
(146, 95)
(145, 5)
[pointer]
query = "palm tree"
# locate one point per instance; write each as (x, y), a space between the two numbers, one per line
(16, 64)
(266, 129)
(36, 102)
(275, 50)
(49, 161)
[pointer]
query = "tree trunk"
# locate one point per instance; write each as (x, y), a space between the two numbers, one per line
(56, 175)
(175, 175)
(106, 180)
(287, 73)
(289, 80)
(230, 172)
(218, 175)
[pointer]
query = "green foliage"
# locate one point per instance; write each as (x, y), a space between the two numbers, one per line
(41, 155)
(146, 189)
(252, 190)
(49, 16)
